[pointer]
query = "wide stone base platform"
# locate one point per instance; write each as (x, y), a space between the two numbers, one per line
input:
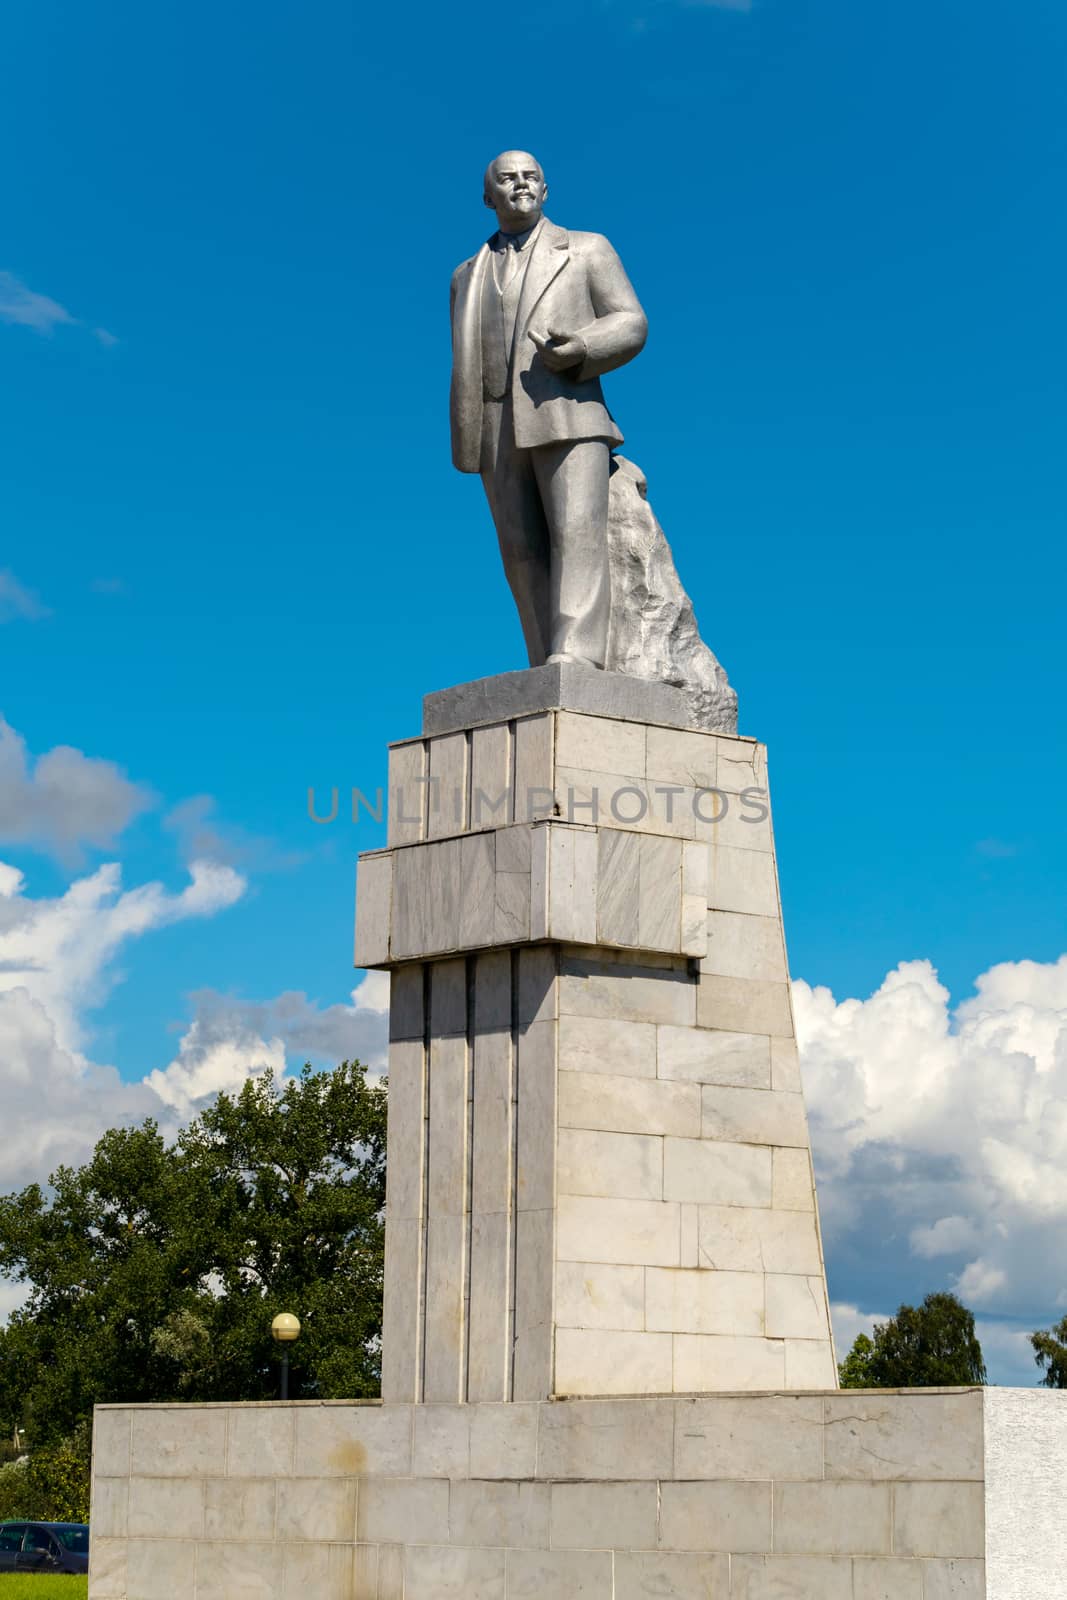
(858, 1495)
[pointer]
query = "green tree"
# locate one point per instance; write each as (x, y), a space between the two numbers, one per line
(929, 1346)
(855, 1369)
(1050, 1353)
(154, 1270)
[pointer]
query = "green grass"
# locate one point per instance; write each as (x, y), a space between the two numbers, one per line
(30, 1586)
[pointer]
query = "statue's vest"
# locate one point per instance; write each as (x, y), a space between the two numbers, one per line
(499, 311)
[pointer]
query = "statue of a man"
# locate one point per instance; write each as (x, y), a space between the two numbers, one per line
(537, 316)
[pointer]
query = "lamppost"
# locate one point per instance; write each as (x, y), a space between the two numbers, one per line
(284, 1330)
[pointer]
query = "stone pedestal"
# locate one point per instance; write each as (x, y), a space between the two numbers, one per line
(599, 1169)
(599, 1186)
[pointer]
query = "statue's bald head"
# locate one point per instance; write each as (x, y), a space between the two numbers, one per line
(515, 189)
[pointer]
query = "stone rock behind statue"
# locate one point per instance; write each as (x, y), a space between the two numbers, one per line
(653, 632)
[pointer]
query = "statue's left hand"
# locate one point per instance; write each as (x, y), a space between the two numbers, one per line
(560, 350)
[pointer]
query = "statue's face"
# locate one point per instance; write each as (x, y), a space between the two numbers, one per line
(515, 189)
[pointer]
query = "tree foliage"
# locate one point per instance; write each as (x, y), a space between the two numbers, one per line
(154, 1270)
(1050, 1353)
(929, 1346)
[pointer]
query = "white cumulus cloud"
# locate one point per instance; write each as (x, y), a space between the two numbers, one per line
(63, 799)
(940, 1131)
(59, 960)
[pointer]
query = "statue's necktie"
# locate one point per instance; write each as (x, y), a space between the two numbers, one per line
(509, 264)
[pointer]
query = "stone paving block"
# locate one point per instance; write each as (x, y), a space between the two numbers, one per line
(939, 1519)
(796, 1308)
(166, 1508)
(390, 1572)
(623, 1165)
(374, 901)
(405, 1176)
(753, 1116)
(182, 1442)
(741, 945)
(904, 1436)
(954, 1580)
(707, 1055)
(606, 1439)
(676, 756)
(110, 1498)
(537, 1116)
(794, 1186)
(600, 1044)
(317, 1508)
(224, 1571)
(515, 1515)
(651, 1576)
(725, 1517)
(535, 1255)
(703, 1362)
(601, 1516)
(325, 1571)
(365, 1572)
(628, 1105)
(563, 1574)
(696, 1301)
(240, 1508)
(592, 1295)
(504, 1440)
(407, 793)
(108, 1566)
(353, 1441)
(159, 1569)
(752, 1240)
(534, 739)
(392, 1509)
(710, 1172)
(887, 1578)
(538, 986)
(260, 1441)
(447, 808)
(785, 1066)
(742, 880)
(477, 906)
(759, 1436)
(491, 803)
(445, 1284)
(742, 763)
(833, 1519)
(599, 1361)
(436, 1572)
(600, 742)
(744, 1005)
(406, 1019)
(400, 1311)
(488, 1323)
(625, 1232)
(111, 1441)
(790, 1578)
(809, 1364)
(597, 988)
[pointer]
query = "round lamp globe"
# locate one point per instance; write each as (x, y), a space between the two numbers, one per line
(285, 1327)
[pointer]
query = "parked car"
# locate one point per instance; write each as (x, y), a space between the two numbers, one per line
(44, 1547)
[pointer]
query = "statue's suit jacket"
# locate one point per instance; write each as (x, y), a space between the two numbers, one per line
(573, 282)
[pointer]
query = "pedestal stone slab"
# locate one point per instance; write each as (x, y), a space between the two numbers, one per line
(872, 1495)
(548, 688)
(605, 1180)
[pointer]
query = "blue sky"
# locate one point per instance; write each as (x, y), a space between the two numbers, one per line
(236, 554)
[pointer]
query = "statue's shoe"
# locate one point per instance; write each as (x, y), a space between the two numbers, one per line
(577, 661)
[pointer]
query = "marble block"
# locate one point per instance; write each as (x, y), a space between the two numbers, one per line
(605, 1180)
(868, 1495)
